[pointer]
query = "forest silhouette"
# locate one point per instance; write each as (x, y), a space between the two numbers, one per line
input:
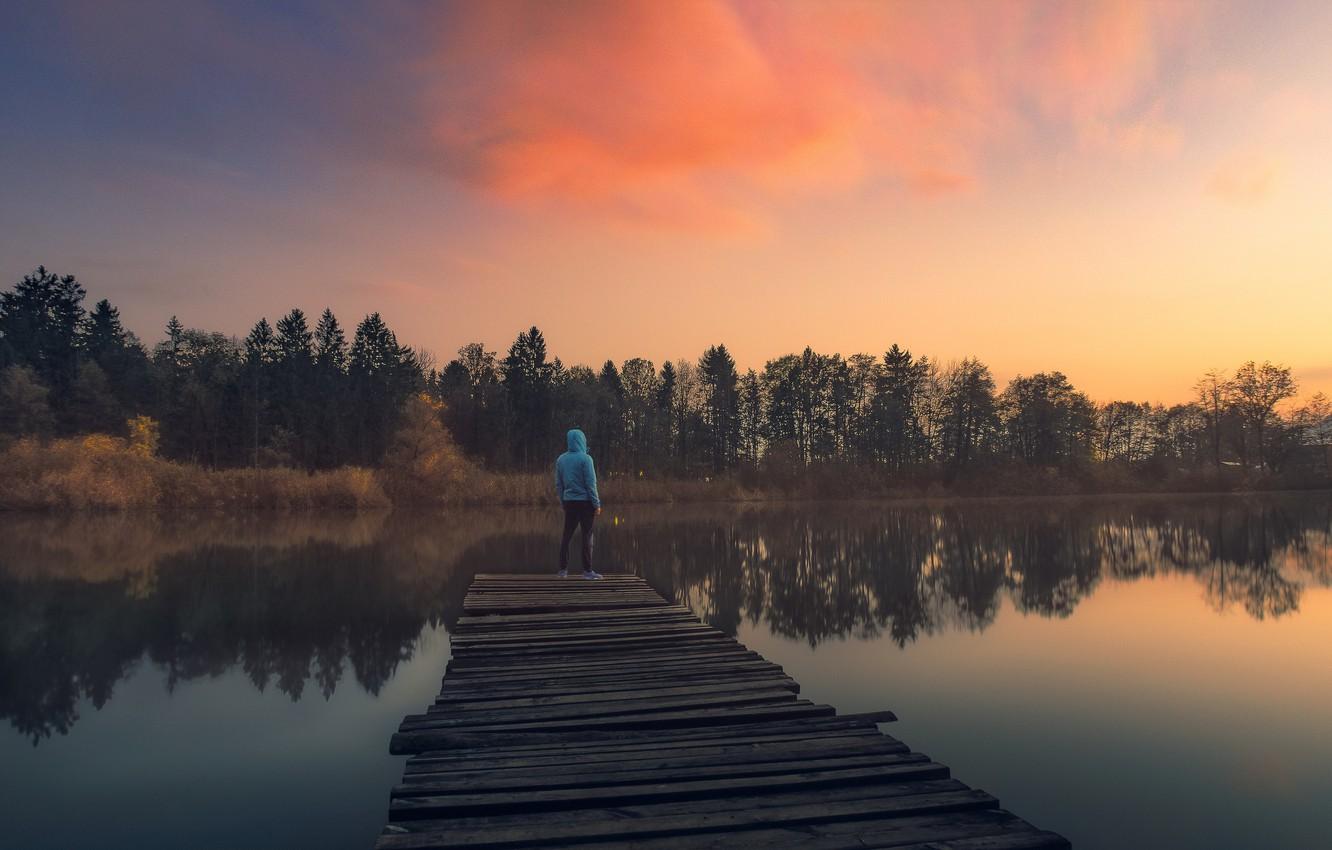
(291, 398)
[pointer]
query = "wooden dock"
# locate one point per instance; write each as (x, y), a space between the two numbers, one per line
(596, 714)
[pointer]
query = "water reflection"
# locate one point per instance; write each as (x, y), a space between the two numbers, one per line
(304, 604)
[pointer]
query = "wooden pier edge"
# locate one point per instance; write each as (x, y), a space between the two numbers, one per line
(597, 714)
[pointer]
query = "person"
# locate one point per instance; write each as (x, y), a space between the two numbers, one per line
(576, 488)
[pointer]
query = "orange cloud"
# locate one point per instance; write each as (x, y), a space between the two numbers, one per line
(702, 112)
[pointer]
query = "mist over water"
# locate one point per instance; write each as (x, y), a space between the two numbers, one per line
(1123, 671)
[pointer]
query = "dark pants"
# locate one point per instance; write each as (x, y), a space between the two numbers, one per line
(576, 514)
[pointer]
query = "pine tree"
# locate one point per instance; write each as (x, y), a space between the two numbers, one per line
(897, 434)
(294, 403)
(260, 355)
(528, 378)
(41, 322)
(721, 399)
(330, 391)
(382, 374)
(330, 344)
(610, 416)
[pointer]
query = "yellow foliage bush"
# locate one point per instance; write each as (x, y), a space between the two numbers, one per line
(109, 473)
(144, 435)
(423, 465)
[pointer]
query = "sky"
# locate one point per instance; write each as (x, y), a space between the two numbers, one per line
(1131, 193)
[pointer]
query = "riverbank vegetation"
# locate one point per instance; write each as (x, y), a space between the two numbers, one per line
(294, 416)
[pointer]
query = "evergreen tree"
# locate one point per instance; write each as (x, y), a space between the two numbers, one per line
(330, 399)
(330, 344)
(897, 426)
(41, 322)
(260, 354)
(721, 402)
(610, 416)
(120, 356)
(528, 378)
(382, 375)
(294, 401)
(665, 420)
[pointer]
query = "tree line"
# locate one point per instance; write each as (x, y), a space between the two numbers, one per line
(292, 394)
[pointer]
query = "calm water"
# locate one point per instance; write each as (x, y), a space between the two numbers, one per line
(1149, 673)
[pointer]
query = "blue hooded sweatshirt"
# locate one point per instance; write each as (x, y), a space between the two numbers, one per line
(575, 476)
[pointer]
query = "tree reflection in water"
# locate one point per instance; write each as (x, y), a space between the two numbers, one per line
(300, 603)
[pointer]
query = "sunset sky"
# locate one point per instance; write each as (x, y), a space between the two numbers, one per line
(1129, 192)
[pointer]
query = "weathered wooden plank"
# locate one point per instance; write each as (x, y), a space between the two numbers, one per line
(533, 635)
(506, 687)
(905, 832)
(468, 623)
(402, 808)
(529, 576)
(475, 702)
(552, 602)
(677, 756)
(415, 740)
(1037, 840)
(607, 655)
(555, 586)
(450, 716)
(560, 658)
(649, 745)
(557, 675)
(554, 581)
(567, 593)
(462, 690)
(662, 772)
(734, 803)
(687, 824)
(590, 644)
(444, 716)
(496, 739)
(605, 661)
(567, 589)
(586, 621)
(635, 677)
(490, 608)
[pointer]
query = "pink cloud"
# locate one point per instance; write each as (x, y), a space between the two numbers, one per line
(699, 113)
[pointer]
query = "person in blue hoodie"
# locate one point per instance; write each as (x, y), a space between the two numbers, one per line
(576, 488)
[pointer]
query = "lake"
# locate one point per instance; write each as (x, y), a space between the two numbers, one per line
(1147, 672)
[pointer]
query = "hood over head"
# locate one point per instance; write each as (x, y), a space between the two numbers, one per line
(577, 440)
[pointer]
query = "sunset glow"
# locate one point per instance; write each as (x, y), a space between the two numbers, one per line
(1131, 193)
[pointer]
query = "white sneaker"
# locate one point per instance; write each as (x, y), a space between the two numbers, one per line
(591, 574)
(562, 573)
